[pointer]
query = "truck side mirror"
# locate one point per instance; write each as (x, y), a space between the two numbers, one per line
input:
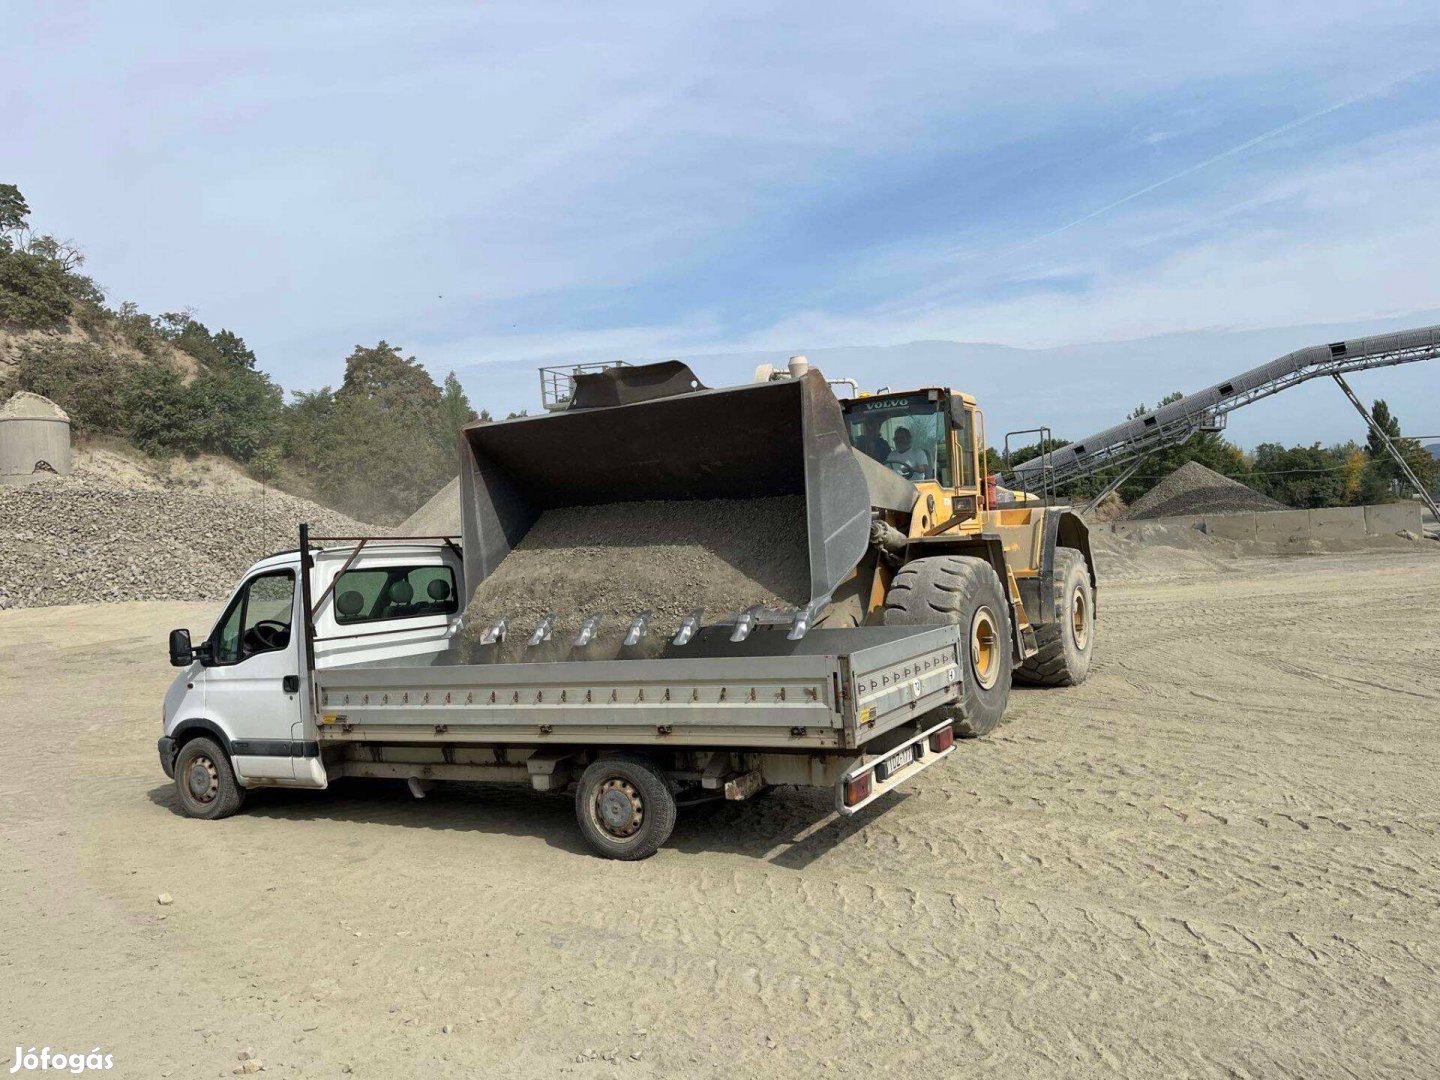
(181, 652)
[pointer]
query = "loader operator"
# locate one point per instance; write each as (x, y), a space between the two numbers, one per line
(874, 443)
(908, 459)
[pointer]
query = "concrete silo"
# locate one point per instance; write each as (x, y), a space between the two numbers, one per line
(34, 439)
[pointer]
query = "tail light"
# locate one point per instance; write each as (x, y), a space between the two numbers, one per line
(858, 789)
(942, 740)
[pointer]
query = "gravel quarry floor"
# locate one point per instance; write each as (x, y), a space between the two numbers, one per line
(1219, 857)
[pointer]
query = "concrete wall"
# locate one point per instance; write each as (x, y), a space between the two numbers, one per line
(24, 441)
(1283, 527)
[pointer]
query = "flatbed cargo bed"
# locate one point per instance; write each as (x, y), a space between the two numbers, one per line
(835, 689)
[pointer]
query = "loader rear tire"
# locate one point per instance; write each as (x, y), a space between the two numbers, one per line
(625, 807)
(1067, 642)
(965, 590)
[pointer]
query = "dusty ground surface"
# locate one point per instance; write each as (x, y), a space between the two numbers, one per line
(1217, 858)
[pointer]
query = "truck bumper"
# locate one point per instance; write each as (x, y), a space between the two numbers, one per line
(166, 747)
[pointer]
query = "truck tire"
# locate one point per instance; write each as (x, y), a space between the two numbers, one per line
(1066, 643)
(625, 807)
(965, 590)
(204, 781)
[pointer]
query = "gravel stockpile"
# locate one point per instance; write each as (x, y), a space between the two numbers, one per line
(440, 516)
(1194, 489)
(66, 542)
(723, 555)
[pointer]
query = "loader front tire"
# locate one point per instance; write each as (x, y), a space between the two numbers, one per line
(625, 807)
(1068, 640)
(964, 590)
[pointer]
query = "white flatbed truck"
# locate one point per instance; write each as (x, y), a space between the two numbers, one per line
(339, 659)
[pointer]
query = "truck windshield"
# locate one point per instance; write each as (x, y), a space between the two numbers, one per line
(908, 433)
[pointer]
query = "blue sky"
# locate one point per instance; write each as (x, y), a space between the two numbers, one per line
(495, 186)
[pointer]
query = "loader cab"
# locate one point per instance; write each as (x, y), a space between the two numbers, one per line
(934, 438)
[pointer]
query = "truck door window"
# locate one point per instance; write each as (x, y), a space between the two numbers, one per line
(258, 619)
(394, 592)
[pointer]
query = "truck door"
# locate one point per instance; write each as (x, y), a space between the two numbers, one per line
(252, 684)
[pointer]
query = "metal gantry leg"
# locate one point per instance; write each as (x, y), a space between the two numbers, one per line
(1114, 485)
(1390, 446)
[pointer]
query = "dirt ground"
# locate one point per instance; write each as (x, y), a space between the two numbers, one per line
(1219, 857)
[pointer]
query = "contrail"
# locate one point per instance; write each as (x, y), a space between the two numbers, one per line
(1248, 144)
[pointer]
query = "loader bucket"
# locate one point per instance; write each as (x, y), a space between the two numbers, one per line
(663, 440)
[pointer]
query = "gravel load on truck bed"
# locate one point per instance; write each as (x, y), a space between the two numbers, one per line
(618, 559)
(1194, 489)
(68, 542)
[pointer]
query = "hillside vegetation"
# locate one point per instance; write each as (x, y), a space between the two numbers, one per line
(376, 447)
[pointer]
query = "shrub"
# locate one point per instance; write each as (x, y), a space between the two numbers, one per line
(33, 291)
(82, 378)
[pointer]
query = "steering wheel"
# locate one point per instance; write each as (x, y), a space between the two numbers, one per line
(270, 634)
(904, 468)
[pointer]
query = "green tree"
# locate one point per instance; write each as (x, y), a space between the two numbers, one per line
(1301, 476)
(389, 443)
(223, 349)
(14, 213)
(455, 407)
(1374, 444)
(159, 416)
(34, 292)
(1420, 461)
(81, 377)
(237, 412)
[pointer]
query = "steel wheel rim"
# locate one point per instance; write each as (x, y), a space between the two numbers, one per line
(1080, 619)
(985, 648)
(617, 809)
(202, 779)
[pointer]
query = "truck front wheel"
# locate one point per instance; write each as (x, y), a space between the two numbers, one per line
(625, 807)
(965, 590)
(205, 782)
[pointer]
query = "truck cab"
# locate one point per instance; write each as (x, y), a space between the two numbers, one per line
(245, 685)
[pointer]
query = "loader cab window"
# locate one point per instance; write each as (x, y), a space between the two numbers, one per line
(394, 592)
(908, 434)
(257, 620)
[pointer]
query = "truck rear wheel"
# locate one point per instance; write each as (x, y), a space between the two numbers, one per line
(1066, 643)
(625, 807)
(205, 782)
(965, 590)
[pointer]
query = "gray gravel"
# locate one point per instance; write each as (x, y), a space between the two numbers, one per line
(723, 555)
(1194, 489)
(68, 542)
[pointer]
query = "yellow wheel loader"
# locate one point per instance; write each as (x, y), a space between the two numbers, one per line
(903, 522)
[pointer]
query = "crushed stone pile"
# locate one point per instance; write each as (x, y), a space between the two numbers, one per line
(76, 542)
(440, 516)
(1194, 489)
(618, 559)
